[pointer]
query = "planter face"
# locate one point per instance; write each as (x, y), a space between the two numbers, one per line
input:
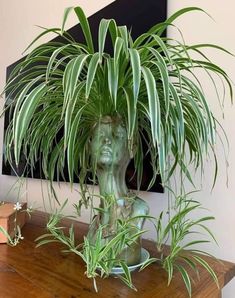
(7, 219)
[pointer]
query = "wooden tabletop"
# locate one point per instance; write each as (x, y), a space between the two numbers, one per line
(28, 272)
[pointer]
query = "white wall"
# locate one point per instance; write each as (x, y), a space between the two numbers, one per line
(198, 28)
(17, 20)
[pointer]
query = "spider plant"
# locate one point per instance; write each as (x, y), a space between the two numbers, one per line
(183, 256)
(99, 257)
(61, 90)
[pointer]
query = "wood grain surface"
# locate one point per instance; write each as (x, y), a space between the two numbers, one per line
(27, 271)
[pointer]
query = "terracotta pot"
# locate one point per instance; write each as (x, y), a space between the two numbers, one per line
(7, 219)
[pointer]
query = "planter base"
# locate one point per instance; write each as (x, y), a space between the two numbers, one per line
(144, 256)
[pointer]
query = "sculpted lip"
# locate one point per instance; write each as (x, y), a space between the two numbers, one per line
(106, 150)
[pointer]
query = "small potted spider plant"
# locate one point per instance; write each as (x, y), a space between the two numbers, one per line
(12, 219)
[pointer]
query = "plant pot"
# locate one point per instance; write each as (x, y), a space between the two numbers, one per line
(10, 219)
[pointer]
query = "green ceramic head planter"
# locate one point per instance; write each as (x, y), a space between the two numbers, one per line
(110, 157)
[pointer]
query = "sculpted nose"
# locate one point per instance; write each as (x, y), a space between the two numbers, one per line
(107, 141)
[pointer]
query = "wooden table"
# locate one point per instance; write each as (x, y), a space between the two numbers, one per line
(28, 272)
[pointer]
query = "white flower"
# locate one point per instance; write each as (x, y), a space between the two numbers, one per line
(17, 206)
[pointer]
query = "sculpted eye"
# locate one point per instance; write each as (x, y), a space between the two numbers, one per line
(118, 134)
(101, 134)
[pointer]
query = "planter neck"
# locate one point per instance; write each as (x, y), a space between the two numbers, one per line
(112, 182)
